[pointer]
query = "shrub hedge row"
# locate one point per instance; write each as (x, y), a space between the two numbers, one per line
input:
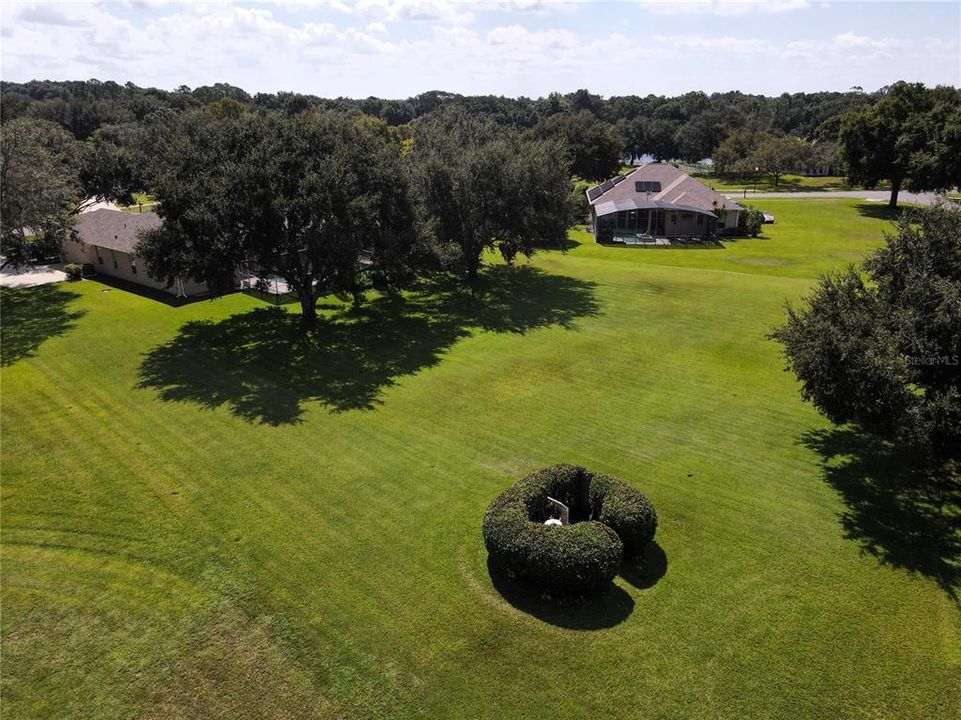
(610, 520)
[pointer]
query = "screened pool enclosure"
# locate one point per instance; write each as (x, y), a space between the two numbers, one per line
(646, 220)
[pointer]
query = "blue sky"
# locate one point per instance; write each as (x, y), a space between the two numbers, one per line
(397, 48)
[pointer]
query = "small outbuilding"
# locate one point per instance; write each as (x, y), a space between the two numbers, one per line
(658, 202)
(107, 240)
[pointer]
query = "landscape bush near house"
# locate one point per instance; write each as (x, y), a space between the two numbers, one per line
(609, 521)
(751, 222)
(73, 271)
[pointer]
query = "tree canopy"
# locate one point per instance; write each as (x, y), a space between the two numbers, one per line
(482, 187)
(39, 188)
(595, 150)
(775, 156)
(910, 137)
(688, 126)
(302, 197)
(881, 347)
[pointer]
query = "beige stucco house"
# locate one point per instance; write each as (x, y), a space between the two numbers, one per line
(655, 201)
(107, 239)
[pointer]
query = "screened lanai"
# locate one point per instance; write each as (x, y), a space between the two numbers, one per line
(618, 220)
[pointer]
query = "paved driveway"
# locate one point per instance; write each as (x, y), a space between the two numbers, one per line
(31, 275)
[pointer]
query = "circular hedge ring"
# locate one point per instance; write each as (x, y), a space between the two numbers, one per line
(610, 520)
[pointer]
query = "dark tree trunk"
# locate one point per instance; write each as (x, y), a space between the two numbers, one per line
(895, 189)
(308, 307)
(473, 266)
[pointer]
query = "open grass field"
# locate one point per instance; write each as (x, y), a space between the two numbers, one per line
(787, 183)
(207, 514)
(142, 203)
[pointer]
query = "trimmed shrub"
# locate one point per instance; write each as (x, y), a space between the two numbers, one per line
(73, 271)
(626, 511)
(575, 559)
(751, 221)
(609, 520)
(509, 533)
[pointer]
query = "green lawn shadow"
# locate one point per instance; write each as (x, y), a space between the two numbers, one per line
(265, 364)
(645, 572)
(898, 509)
(607, 609)
(32, 315)
(150, 293)
(879, 211)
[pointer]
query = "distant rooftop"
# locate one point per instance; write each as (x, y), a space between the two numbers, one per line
(113, 229)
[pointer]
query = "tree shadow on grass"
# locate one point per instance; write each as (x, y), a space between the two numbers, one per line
(32, 315)
(879, 211)
(645, 571)
(265, 364)
(898, 509)
(605, 610)
(144, 291)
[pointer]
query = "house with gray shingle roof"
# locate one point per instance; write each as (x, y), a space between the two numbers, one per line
(658, 201)
(106, 240)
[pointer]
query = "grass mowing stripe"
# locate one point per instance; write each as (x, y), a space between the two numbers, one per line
(345, 546)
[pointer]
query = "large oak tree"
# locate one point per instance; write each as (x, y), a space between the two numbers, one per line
(595, 150)
(911, 137)
(39, 188)
(882, 348)
(481, 186)
(302, 197)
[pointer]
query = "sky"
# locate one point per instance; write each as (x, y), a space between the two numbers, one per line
(398, 48)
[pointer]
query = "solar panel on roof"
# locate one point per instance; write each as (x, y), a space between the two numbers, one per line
(594, 193)
(619, 178)
(607, 185)
(653, 186)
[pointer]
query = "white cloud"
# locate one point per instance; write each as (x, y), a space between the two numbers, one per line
(295, 5)
(50, 15)
(396, 48)
(721, 7)
(516, 36)
(716, 43)
(459, 12)
(528, 6)
(851, 47)
(447, 11)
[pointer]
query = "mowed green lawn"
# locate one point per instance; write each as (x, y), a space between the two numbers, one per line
(765, 183)
(206, 514)
(786, 183)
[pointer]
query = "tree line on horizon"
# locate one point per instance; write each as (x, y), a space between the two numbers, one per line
(697, 121)
(743, 133)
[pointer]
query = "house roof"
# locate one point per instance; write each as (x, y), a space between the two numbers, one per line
(113, 229)
(678, 190)
(612, 206)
